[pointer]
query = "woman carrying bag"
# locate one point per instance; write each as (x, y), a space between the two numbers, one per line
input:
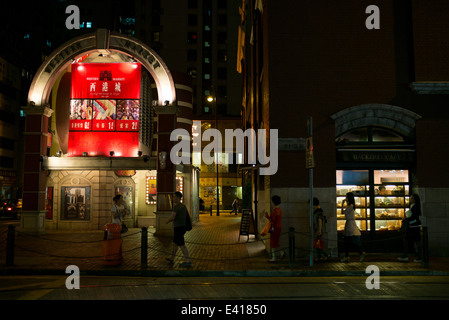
(275, 219)
(352, 232)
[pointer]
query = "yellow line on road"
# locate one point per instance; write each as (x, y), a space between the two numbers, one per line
(46, 288)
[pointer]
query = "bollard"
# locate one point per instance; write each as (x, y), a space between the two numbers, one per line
(10, 244)
(291, 245)
(425, 247)
(144, 249)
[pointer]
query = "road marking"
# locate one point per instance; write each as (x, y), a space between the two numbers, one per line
(46, 288)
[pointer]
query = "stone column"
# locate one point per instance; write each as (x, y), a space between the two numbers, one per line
(166, 170)
(34, 178)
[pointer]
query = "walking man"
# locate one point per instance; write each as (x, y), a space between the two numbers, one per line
(179, 218)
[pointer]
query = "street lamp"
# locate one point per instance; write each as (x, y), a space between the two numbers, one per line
(213, 99)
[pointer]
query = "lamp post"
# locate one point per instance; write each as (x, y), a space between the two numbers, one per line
(213, 99)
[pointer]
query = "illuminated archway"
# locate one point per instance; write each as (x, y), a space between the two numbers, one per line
(102, 41)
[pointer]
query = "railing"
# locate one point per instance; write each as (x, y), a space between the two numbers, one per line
(8, 244)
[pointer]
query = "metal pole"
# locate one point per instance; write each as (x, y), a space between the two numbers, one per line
(311, 198)
(425, 247)
(144, 249)
(216, 152)
(10, 244)
(311, 215)
(291, 245)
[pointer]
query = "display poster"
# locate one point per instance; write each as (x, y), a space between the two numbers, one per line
(128, 115)
(104, 115)
(80, 115)
(75, 203)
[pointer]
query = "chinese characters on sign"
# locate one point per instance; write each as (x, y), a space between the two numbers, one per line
(106, 81)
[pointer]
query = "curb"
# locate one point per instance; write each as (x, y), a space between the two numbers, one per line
(224, 273)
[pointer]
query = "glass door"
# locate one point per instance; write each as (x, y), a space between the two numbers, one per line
(384, 192)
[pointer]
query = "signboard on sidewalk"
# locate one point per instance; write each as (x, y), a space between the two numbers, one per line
(247, 224)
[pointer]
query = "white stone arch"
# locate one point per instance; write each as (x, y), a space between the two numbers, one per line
(387, 116)
(102, 41)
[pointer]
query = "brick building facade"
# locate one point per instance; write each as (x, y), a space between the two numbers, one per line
(378, 100)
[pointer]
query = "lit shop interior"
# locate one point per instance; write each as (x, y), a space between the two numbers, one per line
(381, 197)
(224, 170)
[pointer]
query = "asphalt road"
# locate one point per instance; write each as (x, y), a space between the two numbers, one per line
(51, 287)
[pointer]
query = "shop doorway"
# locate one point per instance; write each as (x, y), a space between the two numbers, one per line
(375, 164)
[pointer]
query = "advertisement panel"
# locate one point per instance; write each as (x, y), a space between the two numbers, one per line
(106, 80)
(104, 115)
(128, 115)
(80, 115)
(105, 99)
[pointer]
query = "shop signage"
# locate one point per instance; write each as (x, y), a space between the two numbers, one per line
(105, 99)
(247, 224)
(382, 156)
(106, 81)
(291, 144)
(125, 173)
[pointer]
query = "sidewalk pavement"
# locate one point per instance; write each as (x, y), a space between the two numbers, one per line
(214, 245)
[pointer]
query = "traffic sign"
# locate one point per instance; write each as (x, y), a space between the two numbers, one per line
(310, 163)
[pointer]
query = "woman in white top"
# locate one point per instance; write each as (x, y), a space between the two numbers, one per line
(352, 232)
(119, 209)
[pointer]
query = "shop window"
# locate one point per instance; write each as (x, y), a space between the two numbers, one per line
(382, 192)
(369, 135)
(151, 189)
(382, 135)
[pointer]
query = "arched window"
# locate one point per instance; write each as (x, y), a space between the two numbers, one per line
(369, 135)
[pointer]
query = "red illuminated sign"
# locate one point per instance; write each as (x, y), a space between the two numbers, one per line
(104, 109)
(99, 144)
(106, 81)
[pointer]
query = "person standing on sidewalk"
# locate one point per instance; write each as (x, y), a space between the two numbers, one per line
(275, 218)
(412, 229)
(119, 209)
(352, 232)
(319, 222)
(179, 218)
